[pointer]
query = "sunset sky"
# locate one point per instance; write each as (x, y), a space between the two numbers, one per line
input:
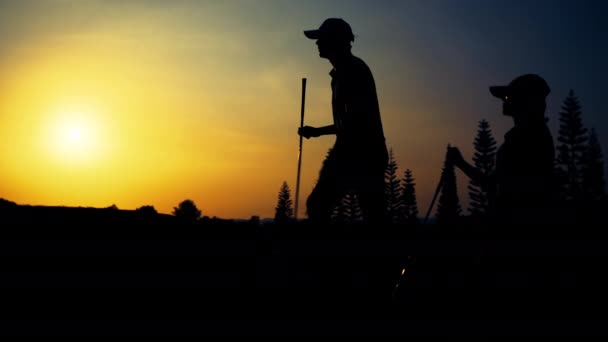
(152, 102)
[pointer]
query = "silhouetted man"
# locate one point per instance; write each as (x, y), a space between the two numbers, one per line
(523, 177)
(358, 159)
(523, 181)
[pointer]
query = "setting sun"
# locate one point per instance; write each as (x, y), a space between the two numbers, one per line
(74, 136)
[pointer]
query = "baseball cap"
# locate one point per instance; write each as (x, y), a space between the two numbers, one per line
(528, 85)
(333, 28)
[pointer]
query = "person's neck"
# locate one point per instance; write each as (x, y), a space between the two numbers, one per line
(338, 60)
(528, 119)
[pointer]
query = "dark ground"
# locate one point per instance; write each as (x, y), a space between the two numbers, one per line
(234, 279)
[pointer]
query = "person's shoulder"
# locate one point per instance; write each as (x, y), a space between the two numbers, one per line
(511, 133)
(359, 66)
(358, 62)
(542, 132)
(547, 131)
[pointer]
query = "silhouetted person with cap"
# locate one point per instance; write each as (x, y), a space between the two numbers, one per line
(523, 178)
(358, 159)
(523, 181)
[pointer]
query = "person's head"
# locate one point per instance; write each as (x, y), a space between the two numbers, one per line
(524, 98)
(334, 37)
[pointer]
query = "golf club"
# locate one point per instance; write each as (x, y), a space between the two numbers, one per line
(300, 150)
(437, 190)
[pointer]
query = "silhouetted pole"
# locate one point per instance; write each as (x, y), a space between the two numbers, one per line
(437, 190)
(300, 150)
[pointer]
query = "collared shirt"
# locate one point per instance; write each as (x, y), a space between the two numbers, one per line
(356, 112)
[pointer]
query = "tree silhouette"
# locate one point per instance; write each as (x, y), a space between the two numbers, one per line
(4, 203)
(254, 220)
(353, 209)
(392, 190)
(187, 211)
(409, 205)
(147, 210)
(572, 144)
(593, 181)
(448, 207)
(484, 159)
(348, 210)
(339, 213)
(283, 211)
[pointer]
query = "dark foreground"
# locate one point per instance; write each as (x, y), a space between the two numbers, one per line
(240, 279)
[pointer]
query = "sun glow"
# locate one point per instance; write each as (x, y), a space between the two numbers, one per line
(74, 136)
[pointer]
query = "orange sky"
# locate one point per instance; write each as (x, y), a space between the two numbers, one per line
(150, 103)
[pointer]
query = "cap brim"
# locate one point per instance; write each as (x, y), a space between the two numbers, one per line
(312, 34)
(499, 91)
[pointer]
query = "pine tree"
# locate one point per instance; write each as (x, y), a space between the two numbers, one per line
(408, 198)
(339, 213)
(572, 144)
(187, 211)
(593, 181)
(448, 207)
(391, 189)
(348, 210)
(283, 211)
(352, 209)
(484, 159)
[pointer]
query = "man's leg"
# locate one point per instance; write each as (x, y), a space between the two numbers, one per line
(326, 193)
(371, 190)
(321, 202)
(385, 267)
(373, 202)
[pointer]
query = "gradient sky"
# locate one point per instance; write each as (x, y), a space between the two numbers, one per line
(152, 102)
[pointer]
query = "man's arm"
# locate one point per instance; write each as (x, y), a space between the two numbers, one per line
(327, 130)
(455, 158)
(308, 131)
